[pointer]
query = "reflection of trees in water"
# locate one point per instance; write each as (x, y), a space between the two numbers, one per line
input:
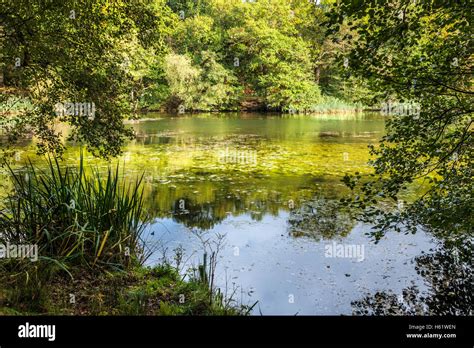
(203, 216)
(209, 202)
(206, 215)
(448, 274)
(320, 218)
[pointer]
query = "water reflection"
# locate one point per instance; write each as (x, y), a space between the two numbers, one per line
(321, 218)
(448, 272)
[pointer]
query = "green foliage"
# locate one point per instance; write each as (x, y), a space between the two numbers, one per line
(332, 104)
(127, 56)
(89, 230)
(77, 220)
(196, 34)
(208, 86)
(54, 53)
(139, 291)
(419, 52)
(182, 79)
(274, 62)
(74, 217)
(190, 8)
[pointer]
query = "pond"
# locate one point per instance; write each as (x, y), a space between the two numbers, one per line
(261, 191)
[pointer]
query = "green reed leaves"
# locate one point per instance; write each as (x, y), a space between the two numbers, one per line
(76, 215)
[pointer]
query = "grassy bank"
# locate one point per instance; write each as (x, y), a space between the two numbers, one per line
(88, 231)
(137, 291)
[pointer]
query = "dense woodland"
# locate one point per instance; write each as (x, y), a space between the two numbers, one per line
(179, 56)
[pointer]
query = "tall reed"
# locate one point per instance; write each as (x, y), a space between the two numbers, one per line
(75, 216)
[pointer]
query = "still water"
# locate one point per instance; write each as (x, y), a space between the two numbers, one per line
(248, 179)
(261, 191)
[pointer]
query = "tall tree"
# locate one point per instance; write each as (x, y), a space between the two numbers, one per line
(420, 53)
(77, 52)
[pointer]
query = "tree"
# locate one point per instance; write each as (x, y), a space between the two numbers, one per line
(417, 52)
(205, 86)
(59, 52)
(273, 61)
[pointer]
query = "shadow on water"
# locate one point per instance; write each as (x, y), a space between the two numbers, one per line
(448, 272)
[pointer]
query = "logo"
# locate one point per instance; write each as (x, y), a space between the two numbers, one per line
(37, 331)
